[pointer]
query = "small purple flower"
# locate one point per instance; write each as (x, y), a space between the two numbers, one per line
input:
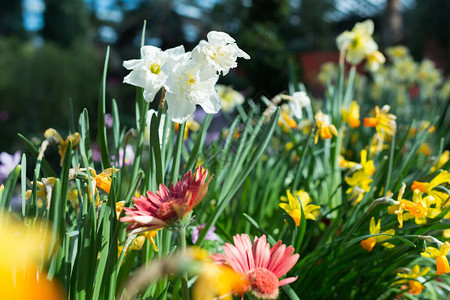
(96, 155)
(211, 235)
(8, 163)
(109, 120)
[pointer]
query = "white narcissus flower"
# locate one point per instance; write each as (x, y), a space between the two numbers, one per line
(220, 51)
(298, 101)
(189, 84)
(358, 43)
(147, 72)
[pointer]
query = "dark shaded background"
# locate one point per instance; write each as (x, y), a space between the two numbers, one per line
(55, 64)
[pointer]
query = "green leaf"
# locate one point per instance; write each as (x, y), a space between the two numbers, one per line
(102, 141)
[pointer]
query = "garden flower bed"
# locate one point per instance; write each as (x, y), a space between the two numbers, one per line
(345, 197)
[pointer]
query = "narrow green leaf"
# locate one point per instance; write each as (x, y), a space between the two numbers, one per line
(102, 141)
(46, 168)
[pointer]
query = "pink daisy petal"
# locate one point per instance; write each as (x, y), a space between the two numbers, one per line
(287, 281)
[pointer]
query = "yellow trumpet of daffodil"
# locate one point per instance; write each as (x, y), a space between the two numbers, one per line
(55, 138)
(324, 127)
(370, 242)
(440, 255)
(292, 206)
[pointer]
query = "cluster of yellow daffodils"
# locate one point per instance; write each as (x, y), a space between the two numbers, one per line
(360, 177)
(412, 279)
(324, 127)
(370, 242)
(440, 255)
(291, 204)
(421, 207)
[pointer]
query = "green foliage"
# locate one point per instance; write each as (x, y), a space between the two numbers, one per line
(37, 83)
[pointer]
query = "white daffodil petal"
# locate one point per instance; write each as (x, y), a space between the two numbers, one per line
(179, 109)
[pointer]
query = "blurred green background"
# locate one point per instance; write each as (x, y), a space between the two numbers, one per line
(52, 51)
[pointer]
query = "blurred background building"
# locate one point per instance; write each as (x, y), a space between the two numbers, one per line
(52, 51)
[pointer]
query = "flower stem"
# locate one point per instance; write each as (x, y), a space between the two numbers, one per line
(184, 277)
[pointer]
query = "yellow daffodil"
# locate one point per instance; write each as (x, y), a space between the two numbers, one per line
(324, 127)
(424, 149)
(415, 286)
(398, 208)
(374, 61)
(397, 52)
(429, 187)
(404, 70)
(443, 159)
(370, 242)
(292, 206)
(22, 247)
(360, 180)
(328, 72)
(55, 138)
(230, 97)
(215, 281)
(442, 266)
(139, 241)
(351, 116)
(357, 43)
(102, 180)
(382, 121)
(286, 120)
(420, 208)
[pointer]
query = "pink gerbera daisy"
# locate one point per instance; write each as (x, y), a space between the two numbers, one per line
(261, 265)
(156, 210)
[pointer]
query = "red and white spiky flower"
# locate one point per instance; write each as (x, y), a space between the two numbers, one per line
(261, 265)
(166, 206)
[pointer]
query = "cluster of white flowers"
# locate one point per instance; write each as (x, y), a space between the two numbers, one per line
(189, 78)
